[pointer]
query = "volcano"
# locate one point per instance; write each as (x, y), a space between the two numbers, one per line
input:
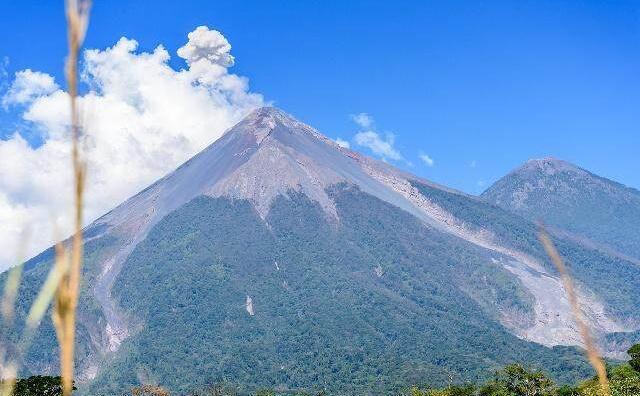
(276, 258)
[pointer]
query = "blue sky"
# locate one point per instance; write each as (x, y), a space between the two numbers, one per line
(477, 86)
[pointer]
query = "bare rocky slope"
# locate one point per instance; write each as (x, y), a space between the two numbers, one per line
(319, 248)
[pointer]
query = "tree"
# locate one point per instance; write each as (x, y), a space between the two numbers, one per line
(566, 390)
(634, 353)
(451, 390)
(515, 380)
(623, 380)
(38, 385)
(219, 389)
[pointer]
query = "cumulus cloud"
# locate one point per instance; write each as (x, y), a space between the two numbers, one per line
(142, 118)
(342, 143)
(208, 45)
(27, 86)
(364, 120)
(382, 146)
(426, 159)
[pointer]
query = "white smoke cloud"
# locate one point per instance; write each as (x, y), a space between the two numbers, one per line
(142, 118)
(209, 45)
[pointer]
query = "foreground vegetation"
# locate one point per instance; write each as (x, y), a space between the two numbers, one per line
(512, 380)
(516, 380)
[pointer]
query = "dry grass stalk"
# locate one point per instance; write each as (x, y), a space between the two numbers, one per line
(10, 294)
(11, 286)
(9, 374)
(66, 299)
(592, 353)
(49, 288)
(36, 312)
(9, 367)
(63, 280)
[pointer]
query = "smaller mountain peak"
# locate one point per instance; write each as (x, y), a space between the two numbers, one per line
(548, 159)
(544, 161)
(549, 165)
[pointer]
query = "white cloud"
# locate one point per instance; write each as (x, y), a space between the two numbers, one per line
(383, 147)
(364, 120)
(473, 164)
(27, 86)
(142, 118)
(208, 45)
(481, 183)
(426, 159)
(342, 143)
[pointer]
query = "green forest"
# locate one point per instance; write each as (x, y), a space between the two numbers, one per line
(516, 380)
(513, 380)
